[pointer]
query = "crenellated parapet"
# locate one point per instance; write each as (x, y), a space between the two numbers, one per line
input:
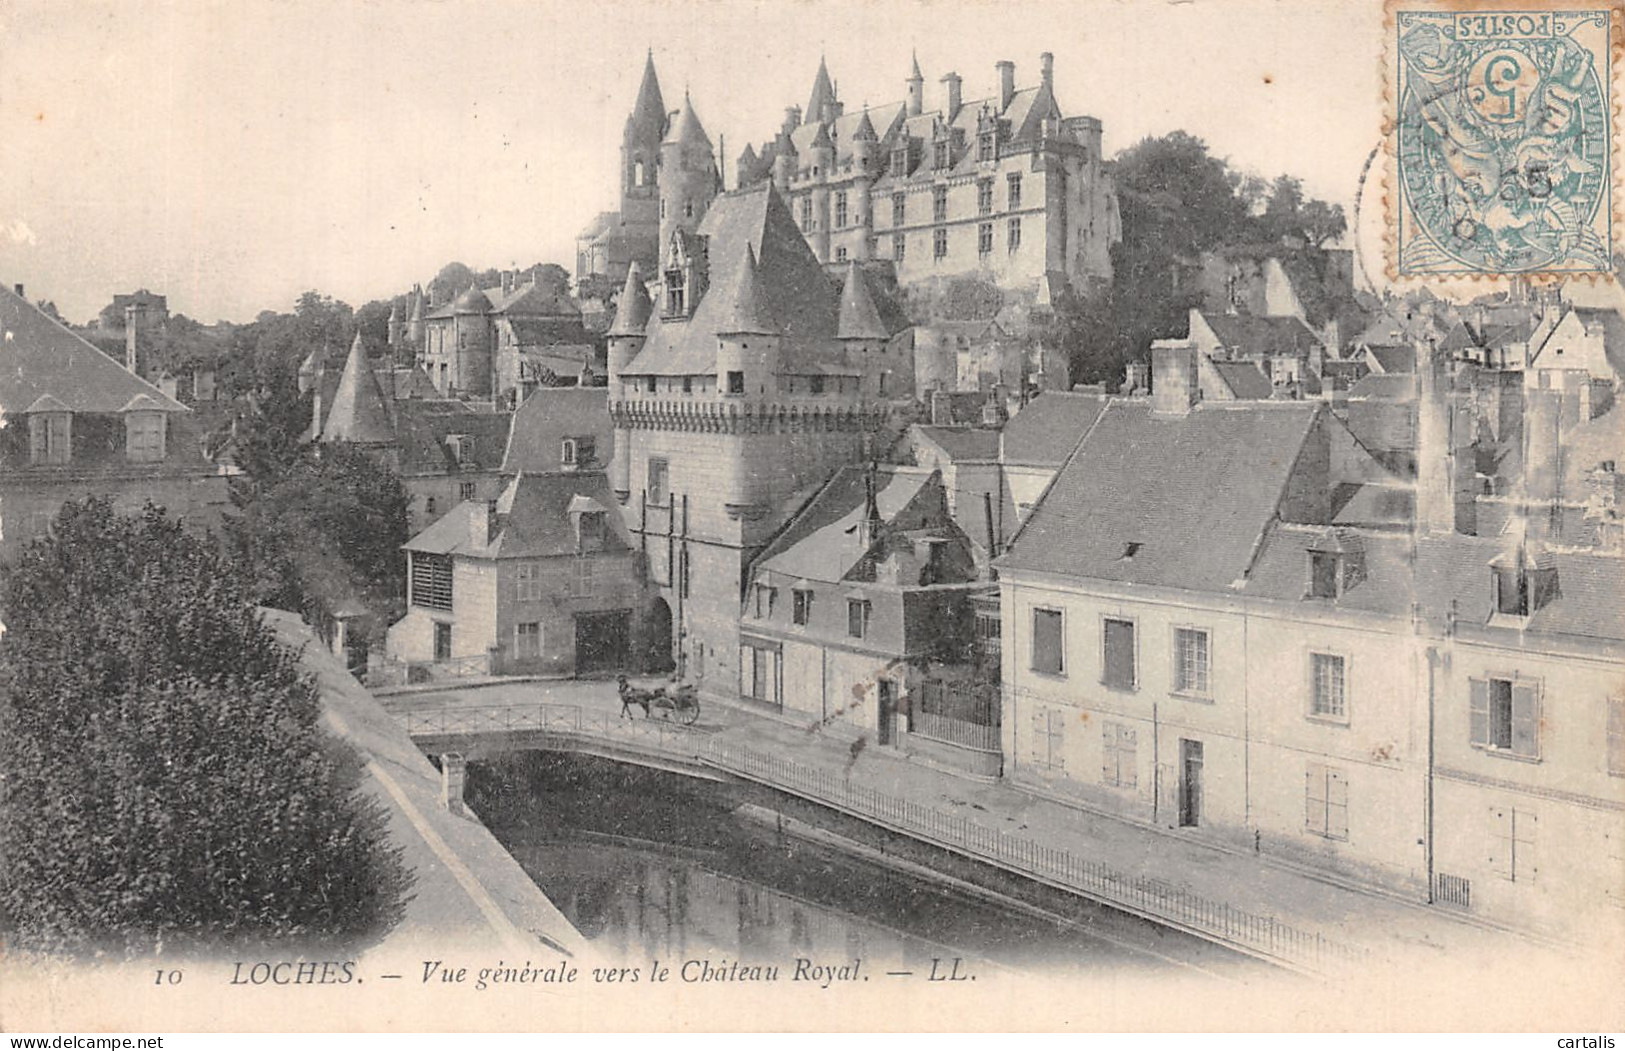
(746, 417)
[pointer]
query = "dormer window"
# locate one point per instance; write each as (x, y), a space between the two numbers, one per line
(144, 437)
(675, 300)
(1336, 564)
(590, 530)
(50, 436)
(1522, 588)
(577, 453)
(940, 154)
(987, 146)
(460, 447)
(899, 161)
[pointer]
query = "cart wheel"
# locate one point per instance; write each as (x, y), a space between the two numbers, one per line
(691, 714)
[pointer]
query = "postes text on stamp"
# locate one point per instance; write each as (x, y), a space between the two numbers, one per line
(1503, 138)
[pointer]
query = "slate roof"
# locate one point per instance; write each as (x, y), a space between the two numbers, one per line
(1252, 334)
(1048, 428)
(548, 331)
(1243, 379)
(794, 294)
(859, 319)
(1612, 325)
(360, 412)
(550, 415)
(1281, 570)
(824, 543)
(533, 519)
(633, 309)
(963, 443)
(422, 429)
(1455, 569)
(1148, 480)
(39, 356)
(1394, 359)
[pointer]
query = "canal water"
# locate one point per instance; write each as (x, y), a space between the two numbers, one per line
(657, 866)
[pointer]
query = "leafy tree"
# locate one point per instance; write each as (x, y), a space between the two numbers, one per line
(317, 529)
(168, 785)
(452, 281)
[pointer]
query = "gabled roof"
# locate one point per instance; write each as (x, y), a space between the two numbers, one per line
(825, 542)
(360, 412)
(962, 444)
(547, 417)
(1243, 379)
(1137, 501)
(529, 331)
(794, 294)
(1254, 334)
(39, 356)
(422, 429)
(859, 319)
(1048, 428)
(1392, 359)
(533, 520)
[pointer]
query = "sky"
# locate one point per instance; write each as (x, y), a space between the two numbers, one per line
(234, 154)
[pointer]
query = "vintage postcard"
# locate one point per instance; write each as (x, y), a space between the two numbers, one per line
(732, 516)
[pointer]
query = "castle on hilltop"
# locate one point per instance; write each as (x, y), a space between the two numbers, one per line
(1003, 187)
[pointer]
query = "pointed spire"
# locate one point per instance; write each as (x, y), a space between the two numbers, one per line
(633, 310)
(865, 130)
(823, 95)
(743, 312)
(649, 111)
(359, 413)
(394, 311)
(915, 73)
(822, 139)
(859, 317)
(687, 129)
(417, 306)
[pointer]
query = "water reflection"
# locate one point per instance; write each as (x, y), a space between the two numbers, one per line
(657, 866)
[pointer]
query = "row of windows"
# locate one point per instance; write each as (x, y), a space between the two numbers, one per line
(528, 578)
(939, 241)
(1503, 713)
(939, 202)
(858, 611)
(1192, 661)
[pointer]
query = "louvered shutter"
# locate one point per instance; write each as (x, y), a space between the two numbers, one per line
(1525, 720)
(1478, 711)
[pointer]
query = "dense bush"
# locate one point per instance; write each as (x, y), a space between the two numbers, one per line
(166, 783)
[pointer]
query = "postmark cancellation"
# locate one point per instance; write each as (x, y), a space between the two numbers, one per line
(1502, 131)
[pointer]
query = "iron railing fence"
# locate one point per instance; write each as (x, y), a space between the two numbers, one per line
(1054, 865)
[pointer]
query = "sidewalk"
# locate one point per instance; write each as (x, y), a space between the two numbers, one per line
(1385, 925)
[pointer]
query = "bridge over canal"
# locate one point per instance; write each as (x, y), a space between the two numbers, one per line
(475, 731)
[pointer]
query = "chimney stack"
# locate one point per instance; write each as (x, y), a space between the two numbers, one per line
(1046, 66)
(942, 413)
(951, 106)
(18, 288)
(1007, 83)
(482, 523)
(1543, 447)
(1174, 385)
(792, 119)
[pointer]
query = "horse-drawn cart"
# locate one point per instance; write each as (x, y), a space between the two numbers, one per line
(680, 701)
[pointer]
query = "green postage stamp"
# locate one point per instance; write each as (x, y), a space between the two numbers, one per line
(1502, 137)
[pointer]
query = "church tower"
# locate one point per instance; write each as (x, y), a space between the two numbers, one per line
(640, 152)
(688, 175)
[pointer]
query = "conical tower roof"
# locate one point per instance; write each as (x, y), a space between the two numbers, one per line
(823, 93)
(688, 130)
(417, 306)
(744, 312)
(865, 131)
(914, 73)
(633, 310)
(359, 413)
(649, 111)
(859, 318)
(822, 139)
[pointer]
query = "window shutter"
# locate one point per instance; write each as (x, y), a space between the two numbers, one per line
(1057, 738)
(1525, 720)
(1524, 828)
(1478, 711)
(1314, 795)
(1500, 843)
(1337, 804)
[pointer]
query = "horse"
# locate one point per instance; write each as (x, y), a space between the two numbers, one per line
(631, 695)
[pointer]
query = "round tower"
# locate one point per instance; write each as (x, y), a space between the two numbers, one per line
(688, 175)
(626, 336)
(471, 355)
(821, 162)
